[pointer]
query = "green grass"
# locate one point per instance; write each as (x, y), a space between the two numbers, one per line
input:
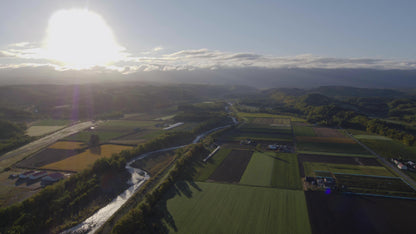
(372, 137)
(310, 167)
(331, 147)
(126, 125)
(272, 169)
(204, 170)
(51, 122)
(393, 149)
(222, 208)
(103, 135)
(299, 130)
(337, 154)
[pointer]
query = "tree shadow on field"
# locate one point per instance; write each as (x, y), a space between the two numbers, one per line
(162, 220)
(276, 157)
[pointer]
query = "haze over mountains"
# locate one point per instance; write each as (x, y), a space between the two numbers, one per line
(255, 77)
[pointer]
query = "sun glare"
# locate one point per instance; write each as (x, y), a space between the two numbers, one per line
(81, 39)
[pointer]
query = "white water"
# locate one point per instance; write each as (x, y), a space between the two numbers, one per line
(94, 222)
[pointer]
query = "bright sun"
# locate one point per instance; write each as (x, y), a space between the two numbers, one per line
(81, 39)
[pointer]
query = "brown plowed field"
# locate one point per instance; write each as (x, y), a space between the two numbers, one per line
(343, 140)
(233, 167)
(339, 213)
(334, 159)
(328, 132)
(46, 157)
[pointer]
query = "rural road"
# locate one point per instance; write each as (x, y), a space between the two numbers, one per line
(16, 155)
(409, 180)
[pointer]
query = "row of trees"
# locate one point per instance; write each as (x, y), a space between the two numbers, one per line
(141, 219)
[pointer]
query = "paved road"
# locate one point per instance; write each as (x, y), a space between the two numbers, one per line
(16, 155)
(409, 180)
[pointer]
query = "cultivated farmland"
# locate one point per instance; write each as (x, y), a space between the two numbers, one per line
(273, 170)
(225, 208)
(204, 170)
(328, 132)
(81, 161)
(232, 167)
(310, 169)
(375, 184)
(342, 140)
(131, 131)
(331, 148)
(340, 213)
(299, 130)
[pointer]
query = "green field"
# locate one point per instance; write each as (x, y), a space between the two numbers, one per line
(108, 130)
(204, 170)
(372, 137)
(337, 154)
(103, 135)
(299, 130)
(50, 122)
(311, 167)
(224, 208)
(272, 169)
(393, 149)
(331, 148)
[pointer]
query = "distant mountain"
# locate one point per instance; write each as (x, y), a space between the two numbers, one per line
(256, 77)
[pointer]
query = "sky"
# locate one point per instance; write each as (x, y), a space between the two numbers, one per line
(180, 35)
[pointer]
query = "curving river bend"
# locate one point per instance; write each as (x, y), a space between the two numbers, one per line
(138, 177)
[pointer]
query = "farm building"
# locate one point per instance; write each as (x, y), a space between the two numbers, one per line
(273, 147)
(38, 175)
(401, 166)
(24, 175)
(53, 177)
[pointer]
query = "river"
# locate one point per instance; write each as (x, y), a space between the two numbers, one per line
(138, 177)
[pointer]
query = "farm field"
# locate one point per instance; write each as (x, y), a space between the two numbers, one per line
(204, 170)
(232, 167)
(236, 209)
(342, 140)
(118, 129)
(372, 137)
(67, 145)
(81, 161)
(299, 130)
(391, 149)
(272, 170)
(45, 157)
(375, 184)
(338, 159)
(340, 213)
(43, 127)
(311, 167)
(328, 132)
(42, 130)
(332, 154)
(331, 148)
(51, 122)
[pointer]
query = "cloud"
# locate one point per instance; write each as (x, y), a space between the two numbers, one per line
(31, 54)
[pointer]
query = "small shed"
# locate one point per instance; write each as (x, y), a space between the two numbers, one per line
(401, 166)
(38, 175)
(25, 175)
(53, 177)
